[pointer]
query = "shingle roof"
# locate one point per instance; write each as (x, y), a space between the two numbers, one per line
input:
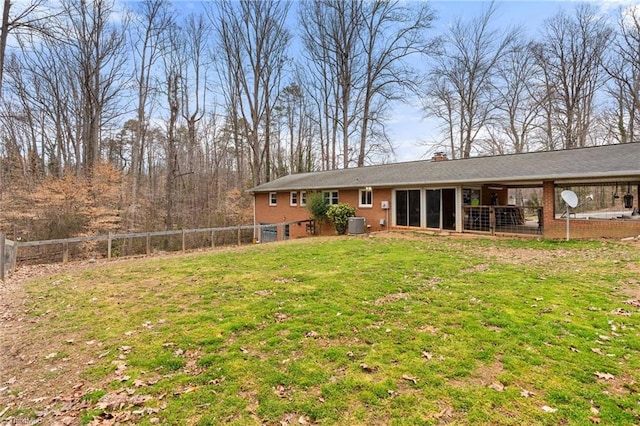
(613, 162)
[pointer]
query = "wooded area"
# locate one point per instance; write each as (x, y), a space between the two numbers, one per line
(143, 116)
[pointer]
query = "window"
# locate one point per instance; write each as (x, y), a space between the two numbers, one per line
(471, 197)
(293, 198)
(273, 198)
(330, 197)
(303, 198)
(366, 198)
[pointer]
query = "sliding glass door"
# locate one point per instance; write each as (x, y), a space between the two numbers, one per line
(433, 208)
(441, 208)
(438, 205)
(408, 207)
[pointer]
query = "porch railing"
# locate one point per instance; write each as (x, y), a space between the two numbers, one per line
(503, 219)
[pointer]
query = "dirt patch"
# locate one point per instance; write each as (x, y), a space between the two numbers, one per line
(485, 375)
(624, 384)
(390, 298)
(631, 288)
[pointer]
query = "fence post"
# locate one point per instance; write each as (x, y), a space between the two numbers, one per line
(148, 244)
(65, 252)
(2, 258)
(492, 220)
(183, 243)
(239, 236)
(109, 238)
(213, 238)
(13, 256)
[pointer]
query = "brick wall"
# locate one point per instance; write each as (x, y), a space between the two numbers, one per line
(592, 228)
(553, 228)
(284, 212)
(583, 228)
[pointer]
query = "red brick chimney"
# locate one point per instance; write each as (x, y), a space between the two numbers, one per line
(439, 156)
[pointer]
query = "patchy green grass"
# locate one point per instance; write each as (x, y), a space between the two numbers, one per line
(418, 330)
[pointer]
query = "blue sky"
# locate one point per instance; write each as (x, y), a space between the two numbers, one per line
(409, 130)
(412, 135)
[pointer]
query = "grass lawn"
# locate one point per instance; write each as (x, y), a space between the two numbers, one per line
(411, 329)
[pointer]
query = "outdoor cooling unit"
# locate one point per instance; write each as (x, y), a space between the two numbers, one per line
(356, 225)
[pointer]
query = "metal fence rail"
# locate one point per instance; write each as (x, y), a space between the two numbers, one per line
(9, 249)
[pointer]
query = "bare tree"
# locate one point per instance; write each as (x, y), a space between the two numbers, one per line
(172, 72)
(96, 50)
(358, 65)
(394, 32)
(252, 43)
(318, 80)
(152, 20)
(623, 66)
(571, 53)
(299, 128)
(463, 78)
(194, 77)
(29, 19)
(67, 109)
(516, 107)
(330, 32)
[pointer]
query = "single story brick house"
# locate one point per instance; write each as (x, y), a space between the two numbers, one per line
(507, 194)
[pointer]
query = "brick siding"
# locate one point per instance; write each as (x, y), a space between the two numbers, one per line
(283, 212)
(582, 228)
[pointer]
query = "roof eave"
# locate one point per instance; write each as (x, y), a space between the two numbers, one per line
(519, 180)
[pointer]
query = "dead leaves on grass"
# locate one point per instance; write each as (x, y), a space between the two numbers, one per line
(124, 407)
(390, 298)
(367, 368)
(280, 317)
(604, 376)
(411, 379)
(283, 280)
(282, 391)
(294, 419)
(633, 302)
(526, 393)
(497, 386)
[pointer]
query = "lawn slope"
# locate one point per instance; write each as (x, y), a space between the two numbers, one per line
(412, 329)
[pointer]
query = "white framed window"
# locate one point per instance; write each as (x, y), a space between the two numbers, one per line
(273, 198)
(303, 198)
(330, 197)
(365, 198)
(293, 198)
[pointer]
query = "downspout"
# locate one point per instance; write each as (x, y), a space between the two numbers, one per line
(255, 230)
(459, 210)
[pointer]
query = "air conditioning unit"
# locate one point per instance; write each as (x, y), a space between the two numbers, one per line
(356, 225)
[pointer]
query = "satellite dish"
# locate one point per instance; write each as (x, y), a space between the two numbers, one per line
(570, 198)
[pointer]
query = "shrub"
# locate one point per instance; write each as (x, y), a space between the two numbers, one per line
(317, 206)
(339, 214)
